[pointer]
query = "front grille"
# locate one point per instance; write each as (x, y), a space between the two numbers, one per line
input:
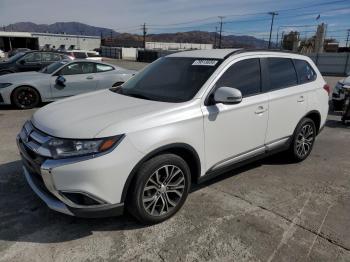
(34, 141)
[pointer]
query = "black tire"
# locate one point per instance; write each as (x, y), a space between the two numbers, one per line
(338, 105)
(25, 97)
(139, 198)
(303, 140)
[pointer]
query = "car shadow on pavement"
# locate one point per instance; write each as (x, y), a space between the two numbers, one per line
(25, 218)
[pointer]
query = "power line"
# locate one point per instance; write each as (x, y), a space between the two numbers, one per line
(251, 14)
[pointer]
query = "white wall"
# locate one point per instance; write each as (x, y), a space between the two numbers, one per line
(129, 53)
(176, 46)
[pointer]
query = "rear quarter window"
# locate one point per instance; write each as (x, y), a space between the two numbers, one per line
(305, 71)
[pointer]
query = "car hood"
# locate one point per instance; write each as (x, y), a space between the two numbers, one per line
(101, 114)
(22, 77)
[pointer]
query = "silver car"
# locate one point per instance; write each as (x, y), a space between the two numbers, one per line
(59, 80)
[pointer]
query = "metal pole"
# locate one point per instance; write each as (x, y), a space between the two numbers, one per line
(273, 14)
(221, 17)
(347, 38)
(216, 31)
(144, 35)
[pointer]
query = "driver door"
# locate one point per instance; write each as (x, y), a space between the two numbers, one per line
(80, 78)
(234, 132)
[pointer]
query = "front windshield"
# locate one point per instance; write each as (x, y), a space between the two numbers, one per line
(170, 79)
(15, 57)
(52, 67)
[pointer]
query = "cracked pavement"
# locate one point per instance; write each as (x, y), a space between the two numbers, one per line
(270, 210)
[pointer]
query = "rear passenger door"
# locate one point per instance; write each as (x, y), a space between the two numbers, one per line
(287, 99)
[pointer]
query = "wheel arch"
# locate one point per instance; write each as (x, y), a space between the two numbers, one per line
(185, 151)
(12, 92)
(315, 116)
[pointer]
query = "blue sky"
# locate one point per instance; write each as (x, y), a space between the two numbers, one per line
(247, 17)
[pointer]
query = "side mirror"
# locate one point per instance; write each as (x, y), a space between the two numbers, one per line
(22, 62)
(227, 95)
(60, 80)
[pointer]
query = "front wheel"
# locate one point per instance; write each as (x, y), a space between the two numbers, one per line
(303, 140)
(25, 97)
(160, 188)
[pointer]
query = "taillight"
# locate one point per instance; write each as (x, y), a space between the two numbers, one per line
(327, 88)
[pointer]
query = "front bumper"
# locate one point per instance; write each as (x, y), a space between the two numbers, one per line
(42, 185)
(85, 187)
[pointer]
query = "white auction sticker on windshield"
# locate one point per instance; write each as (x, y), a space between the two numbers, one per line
(205, 62)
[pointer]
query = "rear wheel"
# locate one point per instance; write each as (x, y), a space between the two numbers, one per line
(25, 97)
(303, 140)
(160, 189)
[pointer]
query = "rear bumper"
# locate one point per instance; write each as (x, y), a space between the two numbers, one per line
(57, 205)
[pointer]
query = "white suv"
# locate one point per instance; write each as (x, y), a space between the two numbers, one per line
(183, 119)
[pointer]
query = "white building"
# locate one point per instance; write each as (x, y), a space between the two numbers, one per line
(176, 46)
(10, 40)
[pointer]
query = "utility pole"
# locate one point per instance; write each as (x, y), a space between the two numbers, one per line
(273, 14)
(347, 38)
(216, 32)
(144, 35)
(220, 17)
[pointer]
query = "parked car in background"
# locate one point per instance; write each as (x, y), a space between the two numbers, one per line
(2, 54)
(82, 54)
(185, 118)
(338, 95)
(16, 51)
(30, 61)
(59, 80)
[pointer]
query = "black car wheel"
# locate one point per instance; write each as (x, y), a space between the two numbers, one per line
(303, 140)
(160, 188)
(25, 97)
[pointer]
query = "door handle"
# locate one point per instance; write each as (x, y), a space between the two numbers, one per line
(90, 77)
(301, 99)
(260, 110)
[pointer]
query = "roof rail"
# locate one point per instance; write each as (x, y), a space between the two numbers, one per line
(246, 50)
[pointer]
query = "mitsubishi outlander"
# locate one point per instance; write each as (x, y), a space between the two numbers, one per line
(183, 119)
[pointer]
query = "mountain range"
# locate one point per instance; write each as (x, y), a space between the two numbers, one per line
(125, 39)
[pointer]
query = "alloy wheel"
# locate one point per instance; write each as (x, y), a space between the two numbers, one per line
(26, 97)
(163, 190)
(305, 140)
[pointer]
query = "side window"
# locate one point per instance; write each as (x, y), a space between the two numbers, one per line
(243, 75)
(56, 57)
(103, 68)
(80, 55)
(282, 73)
(78, 68)
(305, 71)
(32, 58)
(47, 57)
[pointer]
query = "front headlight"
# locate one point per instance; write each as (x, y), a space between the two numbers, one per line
(3, 85)
(63, 148)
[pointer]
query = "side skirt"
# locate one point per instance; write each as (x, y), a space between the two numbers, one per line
(237, 161)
